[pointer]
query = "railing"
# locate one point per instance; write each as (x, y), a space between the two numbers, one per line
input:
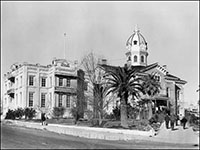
(63, 89)
(64, 75)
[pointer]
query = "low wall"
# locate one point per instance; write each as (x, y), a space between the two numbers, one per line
(90, 132)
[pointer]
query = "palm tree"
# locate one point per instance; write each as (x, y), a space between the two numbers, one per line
(122, 81)
(151, 87)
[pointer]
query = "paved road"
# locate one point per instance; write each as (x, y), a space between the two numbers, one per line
(22, 137)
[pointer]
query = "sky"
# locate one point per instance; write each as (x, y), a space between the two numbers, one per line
(33, 32)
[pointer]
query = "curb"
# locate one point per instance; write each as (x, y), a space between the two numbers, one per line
(90, 132)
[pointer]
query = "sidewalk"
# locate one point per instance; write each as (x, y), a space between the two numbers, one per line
(180, 136)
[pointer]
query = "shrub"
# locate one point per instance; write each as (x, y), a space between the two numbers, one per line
(74, 111)
(19, 113)
(109, 116)
(116, 113)
(58, 112)
(29, 113)
(132, 112)
(192, 119)
(88, 114)
(153, 119)
(10, 114)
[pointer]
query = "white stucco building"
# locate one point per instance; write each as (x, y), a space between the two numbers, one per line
(41, 87)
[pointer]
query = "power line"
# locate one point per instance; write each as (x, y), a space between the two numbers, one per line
(117, 59)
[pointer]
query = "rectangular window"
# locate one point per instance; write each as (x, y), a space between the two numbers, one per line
(68, 101)
(50, 81)
(5, 87)
(60, 83)
(43, 95)
(68, 82)
(50, 96)
(20, 80)
(30, 99)
(16, 99)
(168, 92)
(43, 82)
(20, 98)
(16, 82)
(31, 78)
(59, 100)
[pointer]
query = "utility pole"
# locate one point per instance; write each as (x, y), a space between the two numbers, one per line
(65, 45)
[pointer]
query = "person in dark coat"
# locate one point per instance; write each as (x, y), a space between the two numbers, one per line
(172, 121)
(43, 118)
(183, 122)
(167, 119)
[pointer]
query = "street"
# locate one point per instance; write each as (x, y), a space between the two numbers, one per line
(21, 137)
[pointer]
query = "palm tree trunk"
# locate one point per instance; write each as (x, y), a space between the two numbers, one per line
(123, 111)
(150, 109)
(100, 118)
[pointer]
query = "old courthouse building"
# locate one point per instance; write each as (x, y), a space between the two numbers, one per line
(172, 87)
(171, 95)
(42, 87)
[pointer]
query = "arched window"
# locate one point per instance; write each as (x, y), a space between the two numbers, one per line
(142, 58)
(135, 42)
(157, 77)
(129, 58)
(135, 58)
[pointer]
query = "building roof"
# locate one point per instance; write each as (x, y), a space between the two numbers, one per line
(174, 78)
(143, 69)
(140, 38)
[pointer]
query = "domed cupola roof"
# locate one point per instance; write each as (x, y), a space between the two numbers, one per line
(136, 36)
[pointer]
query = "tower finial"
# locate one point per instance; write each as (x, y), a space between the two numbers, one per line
(136, 28)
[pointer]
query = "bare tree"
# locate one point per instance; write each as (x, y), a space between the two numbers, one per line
(96, 85)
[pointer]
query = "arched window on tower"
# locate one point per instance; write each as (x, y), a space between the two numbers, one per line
(142, 59)
(129, 58)
(135, 42)
(135, 58)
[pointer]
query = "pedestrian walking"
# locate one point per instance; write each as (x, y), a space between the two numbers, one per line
(167, 119)
(183, 122)
(177, 120)
(46, 118)
(172, 121)
(43, 118)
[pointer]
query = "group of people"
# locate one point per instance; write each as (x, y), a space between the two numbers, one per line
(172, 120)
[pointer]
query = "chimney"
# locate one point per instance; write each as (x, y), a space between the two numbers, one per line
(76, 63)
(104, 61)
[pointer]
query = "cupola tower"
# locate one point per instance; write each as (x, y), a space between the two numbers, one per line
(137, 49)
